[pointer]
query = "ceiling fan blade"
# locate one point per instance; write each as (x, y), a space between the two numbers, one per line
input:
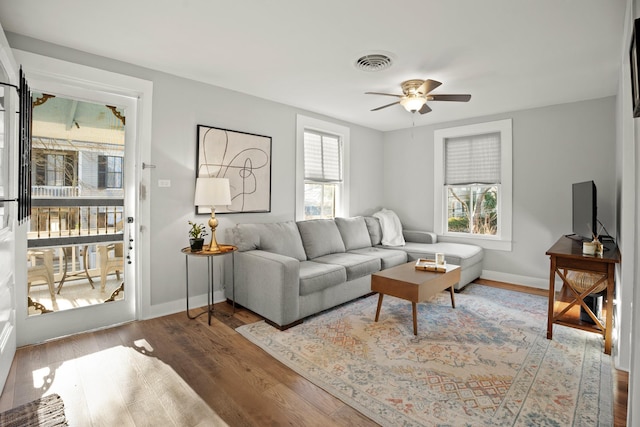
(385, 106)
(425, 109)
(458, 98)
(385, 94)
(428, 86)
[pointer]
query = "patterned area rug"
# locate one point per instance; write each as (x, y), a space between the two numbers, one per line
(486, 362)
(47, 411)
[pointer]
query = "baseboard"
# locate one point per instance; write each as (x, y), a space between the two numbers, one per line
(177, 306)
(517, 279)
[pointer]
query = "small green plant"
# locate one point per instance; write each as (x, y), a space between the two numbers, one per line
(197, 231)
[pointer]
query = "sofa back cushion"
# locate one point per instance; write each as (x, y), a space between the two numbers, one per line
(281, 238)
(375, 231)
(354, 232)
(320, 237)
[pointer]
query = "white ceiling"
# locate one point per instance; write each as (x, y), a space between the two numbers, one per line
(509, 55)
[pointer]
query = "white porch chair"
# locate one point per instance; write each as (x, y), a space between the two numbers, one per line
(111, 260)
(41, 268)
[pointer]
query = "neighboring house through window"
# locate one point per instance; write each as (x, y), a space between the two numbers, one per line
(322, 176)
(472, 191)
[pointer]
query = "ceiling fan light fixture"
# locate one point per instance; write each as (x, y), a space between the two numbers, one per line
(413, 103)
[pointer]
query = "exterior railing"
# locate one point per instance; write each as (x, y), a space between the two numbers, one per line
(60, 222)
(49, 191)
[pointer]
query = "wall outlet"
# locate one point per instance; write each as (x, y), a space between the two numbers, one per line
(164, 183)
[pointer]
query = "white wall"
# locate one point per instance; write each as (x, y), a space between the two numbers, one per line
(179, 105)
(553, 147)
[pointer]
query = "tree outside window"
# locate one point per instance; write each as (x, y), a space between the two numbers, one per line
(472, 209)
(54, 169)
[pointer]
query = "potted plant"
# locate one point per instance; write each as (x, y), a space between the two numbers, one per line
(196, 236)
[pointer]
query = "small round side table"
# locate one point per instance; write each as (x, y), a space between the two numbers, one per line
(224, 250)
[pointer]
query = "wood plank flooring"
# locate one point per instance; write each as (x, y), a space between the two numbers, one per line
(240, 382)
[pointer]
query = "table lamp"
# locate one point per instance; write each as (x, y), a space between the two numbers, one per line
(211, 192)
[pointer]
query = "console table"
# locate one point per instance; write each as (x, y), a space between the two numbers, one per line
(224, 249)
(566, 255)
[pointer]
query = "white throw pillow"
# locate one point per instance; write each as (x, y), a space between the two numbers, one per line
(391, 228)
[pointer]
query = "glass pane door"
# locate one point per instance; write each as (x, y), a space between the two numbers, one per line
(75, 241)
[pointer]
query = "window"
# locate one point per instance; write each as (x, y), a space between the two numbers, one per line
(473, 184)
(54, 169)
(109, 172)
(321, 173)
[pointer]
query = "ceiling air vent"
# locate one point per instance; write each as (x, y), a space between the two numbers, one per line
(373, 62)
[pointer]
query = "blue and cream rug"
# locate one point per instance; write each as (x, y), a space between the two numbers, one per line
(486, 362)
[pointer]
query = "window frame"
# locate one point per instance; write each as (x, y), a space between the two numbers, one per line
(305, 123)
(104, 173)
(503, 241)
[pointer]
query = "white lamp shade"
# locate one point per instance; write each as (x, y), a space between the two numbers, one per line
(212, 192)
(413, 103)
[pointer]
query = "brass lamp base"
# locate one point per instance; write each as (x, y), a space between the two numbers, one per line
(213, 223)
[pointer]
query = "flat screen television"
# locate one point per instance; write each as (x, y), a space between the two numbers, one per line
(585, 210)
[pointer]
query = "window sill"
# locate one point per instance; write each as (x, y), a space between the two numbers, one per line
(494, 244)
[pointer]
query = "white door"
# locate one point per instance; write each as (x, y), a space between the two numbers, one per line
(62, 79)
(8, 223)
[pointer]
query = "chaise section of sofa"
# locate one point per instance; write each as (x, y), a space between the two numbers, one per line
(424, 244)
(291, 270)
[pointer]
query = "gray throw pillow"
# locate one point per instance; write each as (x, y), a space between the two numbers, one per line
(320, 237)
(375, 231)
(354, 232)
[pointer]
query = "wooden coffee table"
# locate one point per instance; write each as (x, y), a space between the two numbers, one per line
(404, 281)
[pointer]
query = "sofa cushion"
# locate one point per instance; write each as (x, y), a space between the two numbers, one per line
(356, 265)
(391, 228)
(454, 253)
(281, 238)
(420, 236)
(354, 232)
(375, 232)
(320, 237)
(316, 277)
(388, 257)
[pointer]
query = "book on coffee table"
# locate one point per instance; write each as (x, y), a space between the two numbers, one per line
(430, 265)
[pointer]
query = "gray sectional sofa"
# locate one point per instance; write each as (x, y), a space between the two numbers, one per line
(290, 270)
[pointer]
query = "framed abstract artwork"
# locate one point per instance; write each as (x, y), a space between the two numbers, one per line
(243, 158)
(634, 61)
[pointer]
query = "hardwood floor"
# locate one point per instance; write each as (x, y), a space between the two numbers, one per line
(240, 382)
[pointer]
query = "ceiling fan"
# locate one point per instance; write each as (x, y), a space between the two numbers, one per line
(416, 93)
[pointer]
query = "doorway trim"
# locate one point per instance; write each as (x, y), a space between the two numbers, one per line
(43, 68)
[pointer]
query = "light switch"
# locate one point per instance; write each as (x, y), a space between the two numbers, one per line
(164, 183)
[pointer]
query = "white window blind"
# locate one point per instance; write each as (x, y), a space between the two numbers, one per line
(322, 157)
(473, 160)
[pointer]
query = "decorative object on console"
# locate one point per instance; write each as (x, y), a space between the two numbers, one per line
(196, 234)
(244, 159)
(212, 192)
(415, 95)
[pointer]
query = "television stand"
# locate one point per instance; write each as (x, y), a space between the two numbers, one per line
(565, 255)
